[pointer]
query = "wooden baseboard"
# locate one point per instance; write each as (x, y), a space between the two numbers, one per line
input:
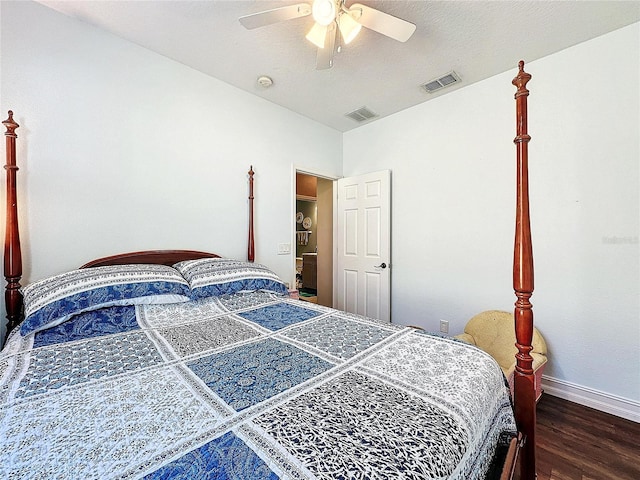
(605, 402)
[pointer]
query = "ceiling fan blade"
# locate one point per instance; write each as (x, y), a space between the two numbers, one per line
(324, 60)
(276, 15)
(383, 23)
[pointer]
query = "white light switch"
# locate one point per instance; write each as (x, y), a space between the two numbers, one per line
(284, 248)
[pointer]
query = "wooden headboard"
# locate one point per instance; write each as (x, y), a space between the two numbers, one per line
(163, 257)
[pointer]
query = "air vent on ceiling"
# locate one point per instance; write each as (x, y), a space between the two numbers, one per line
(361, 115)
(441, 82)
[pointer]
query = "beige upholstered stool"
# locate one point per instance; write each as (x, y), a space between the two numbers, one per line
(493, 331)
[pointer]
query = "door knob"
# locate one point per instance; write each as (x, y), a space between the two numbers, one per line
(382, 265)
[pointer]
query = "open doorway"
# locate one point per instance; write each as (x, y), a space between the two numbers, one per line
(314, 238)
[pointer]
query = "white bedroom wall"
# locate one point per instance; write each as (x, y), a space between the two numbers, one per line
(121, 149)
(453, 175)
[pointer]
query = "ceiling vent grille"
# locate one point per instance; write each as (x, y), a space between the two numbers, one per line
(361, 115)
(441, 82)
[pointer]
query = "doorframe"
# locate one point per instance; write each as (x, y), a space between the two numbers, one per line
(334, 178)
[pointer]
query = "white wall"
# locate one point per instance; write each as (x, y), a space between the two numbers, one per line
(121, 149)
(453, 181)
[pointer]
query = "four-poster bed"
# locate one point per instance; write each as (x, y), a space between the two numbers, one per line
(271, 428)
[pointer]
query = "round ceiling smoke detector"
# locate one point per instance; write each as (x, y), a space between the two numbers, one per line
(265, 81)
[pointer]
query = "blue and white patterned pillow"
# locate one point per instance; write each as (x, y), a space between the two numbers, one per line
(210, 277)
(54, 300)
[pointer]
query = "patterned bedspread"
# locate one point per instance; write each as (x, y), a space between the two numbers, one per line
(246, 386)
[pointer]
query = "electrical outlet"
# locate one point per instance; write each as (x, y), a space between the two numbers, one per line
(284, 248)
(444, 326)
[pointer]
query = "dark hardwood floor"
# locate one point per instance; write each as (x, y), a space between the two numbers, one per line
(575, 442)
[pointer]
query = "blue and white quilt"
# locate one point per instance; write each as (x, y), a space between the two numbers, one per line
(246, 386)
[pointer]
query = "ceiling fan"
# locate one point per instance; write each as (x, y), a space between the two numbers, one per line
(330, 17)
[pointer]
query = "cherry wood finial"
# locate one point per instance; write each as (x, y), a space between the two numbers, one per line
(11, 125)
(521, 80)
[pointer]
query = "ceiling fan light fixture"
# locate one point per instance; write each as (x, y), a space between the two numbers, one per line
(317, 35)
(323, 11)
(349, 28)
(329, 17)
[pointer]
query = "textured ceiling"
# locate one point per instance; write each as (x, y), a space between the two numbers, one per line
(477, 39)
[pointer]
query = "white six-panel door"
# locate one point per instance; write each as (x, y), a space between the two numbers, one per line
(364, 245)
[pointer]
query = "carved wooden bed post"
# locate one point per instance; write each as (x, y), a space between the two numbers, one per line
(12, 252)
(524, 385)
(251, 247)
